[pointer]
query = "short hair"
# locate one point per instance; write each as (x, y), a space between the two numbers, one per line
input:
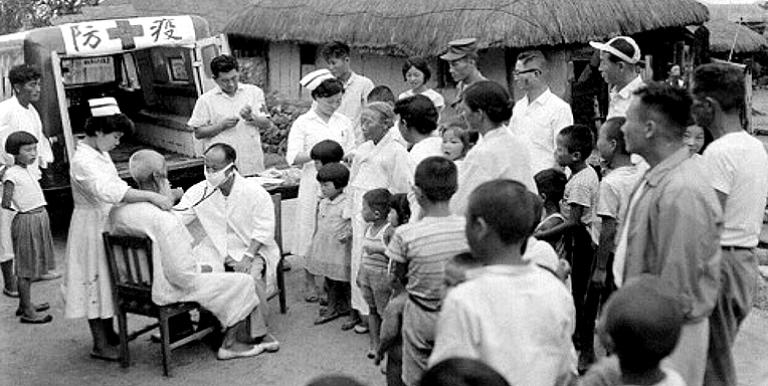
(508, 208)
(336, 173)
(534, 57)
(328, 88)
(335, 49)
(230, 155)
(461, 132)
(418, 63)
(223, 63)
(613, 132)
(378, 200)
(578, 138)
(23, 73)
(108, 124)
(381, 93)
(490, 97)
(418, 112)
(16, 140)
(327, 151)
(644, 319)
(144, 163)
(402, 207)
(551, 182)
(385, 111)
(334, 380)
(437, 178)
(672, 103)
(721, 82)
(462, 372)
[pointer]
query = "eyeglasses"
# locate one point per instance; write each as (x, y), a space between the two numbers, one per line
(518, 73)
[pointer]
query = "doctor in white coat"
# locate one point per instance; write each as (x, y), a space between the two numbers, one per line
(233, 221)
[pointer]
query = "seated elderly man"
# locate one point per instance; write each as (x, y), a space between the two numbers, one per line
(230, 297)
(236, 226)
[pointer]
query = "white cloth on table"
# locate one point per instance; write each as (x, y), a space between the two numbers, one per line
(538, 122)
(356, 90)
(96, 186)
(307, 130)
(231, 222)
(500, 154)
(230, 296)
(27, 193)
(382, 165)
(483, 319)
(215, 106)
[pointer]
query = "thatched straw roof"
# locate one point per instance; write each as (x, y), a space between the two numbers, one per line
(216, 12)
(423, 27)
(722, 34)
(745, 13)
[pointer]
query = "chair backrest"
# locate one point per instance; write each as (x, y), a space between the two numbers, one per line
(130, 261)
(276, 202)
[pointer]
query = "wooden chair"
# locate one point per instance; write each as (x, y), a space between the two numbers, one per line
(131, 270)
(280, 293)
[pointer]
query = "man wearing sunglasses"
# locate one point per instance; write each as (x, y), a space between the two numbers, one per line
(540, 115)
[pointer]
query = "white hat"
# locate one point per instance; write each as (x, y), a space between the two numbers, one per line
(314, 78)
(102, 107)
(623, 47)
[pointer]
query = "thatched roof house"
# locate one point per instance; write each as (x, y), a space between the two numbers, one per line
(407, 27)
(751, 13)
(723, 35)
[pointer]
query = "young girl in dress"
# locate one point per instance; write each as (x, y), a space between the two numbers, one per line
(330, 252)
(30, 229)
(96, 186)
(323, 153)
(551, 186)
(455, 142)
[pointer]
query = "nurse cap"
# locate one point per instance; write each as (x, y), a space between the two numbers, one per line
(102, 107)
(314, 78)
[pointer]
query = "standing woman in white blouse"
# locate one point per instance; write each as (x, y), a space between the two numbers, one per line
(96, 186)
(321, 122)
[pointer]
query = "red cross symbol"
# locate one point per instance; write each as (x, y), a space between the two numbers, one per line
(125, 31)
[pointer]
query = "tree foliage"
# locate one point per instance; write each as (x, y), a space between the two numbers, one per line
(20, 15)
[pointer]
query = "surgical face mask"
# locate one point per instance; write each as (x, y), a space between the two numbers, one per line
(218, 177)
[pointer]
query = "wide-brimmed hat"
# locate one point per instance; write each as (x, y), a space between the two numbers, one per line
(623, 47)
(460, 48)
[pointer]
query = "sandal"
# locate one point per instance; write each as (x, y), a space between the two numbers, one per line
(322, 319)
(10, 294)
(348, 325)
(311, 298)
(96, 355)
(38, 308)
(38, 320)
(361, 329)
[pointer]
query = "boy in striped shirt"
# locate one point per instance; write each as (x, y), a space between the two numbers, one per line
(420, 251)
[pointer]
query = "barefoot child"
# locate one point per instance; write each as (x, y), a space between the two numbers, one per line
(30, 229)
(373, 279)
(330, 251)
(420, 250)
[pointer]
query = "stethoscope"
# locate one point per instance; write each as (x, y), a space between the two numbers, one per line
(204, 197)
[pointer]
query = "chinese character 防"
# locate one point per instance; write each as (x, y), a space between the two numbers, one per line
(164, 28)
(85, 38)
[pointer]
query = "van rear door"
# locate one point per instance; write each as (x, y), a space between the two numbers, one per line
(204, 51)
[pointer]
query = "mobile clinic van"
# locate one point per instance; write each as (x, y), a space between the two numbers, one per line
(155, 67)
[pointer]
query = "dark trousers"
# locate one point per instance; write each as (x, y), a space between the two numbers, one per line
(581, 256)
(597, 295)
(738, 279)
(338, 295)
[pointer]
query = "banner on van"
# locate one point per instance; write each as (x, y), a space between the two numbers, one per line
(101, 37)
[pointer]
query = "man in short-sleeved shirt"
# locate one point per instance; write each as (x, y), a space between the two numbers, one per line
(735, 163)
(539, 115)
(233, 113)
(356, 87)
